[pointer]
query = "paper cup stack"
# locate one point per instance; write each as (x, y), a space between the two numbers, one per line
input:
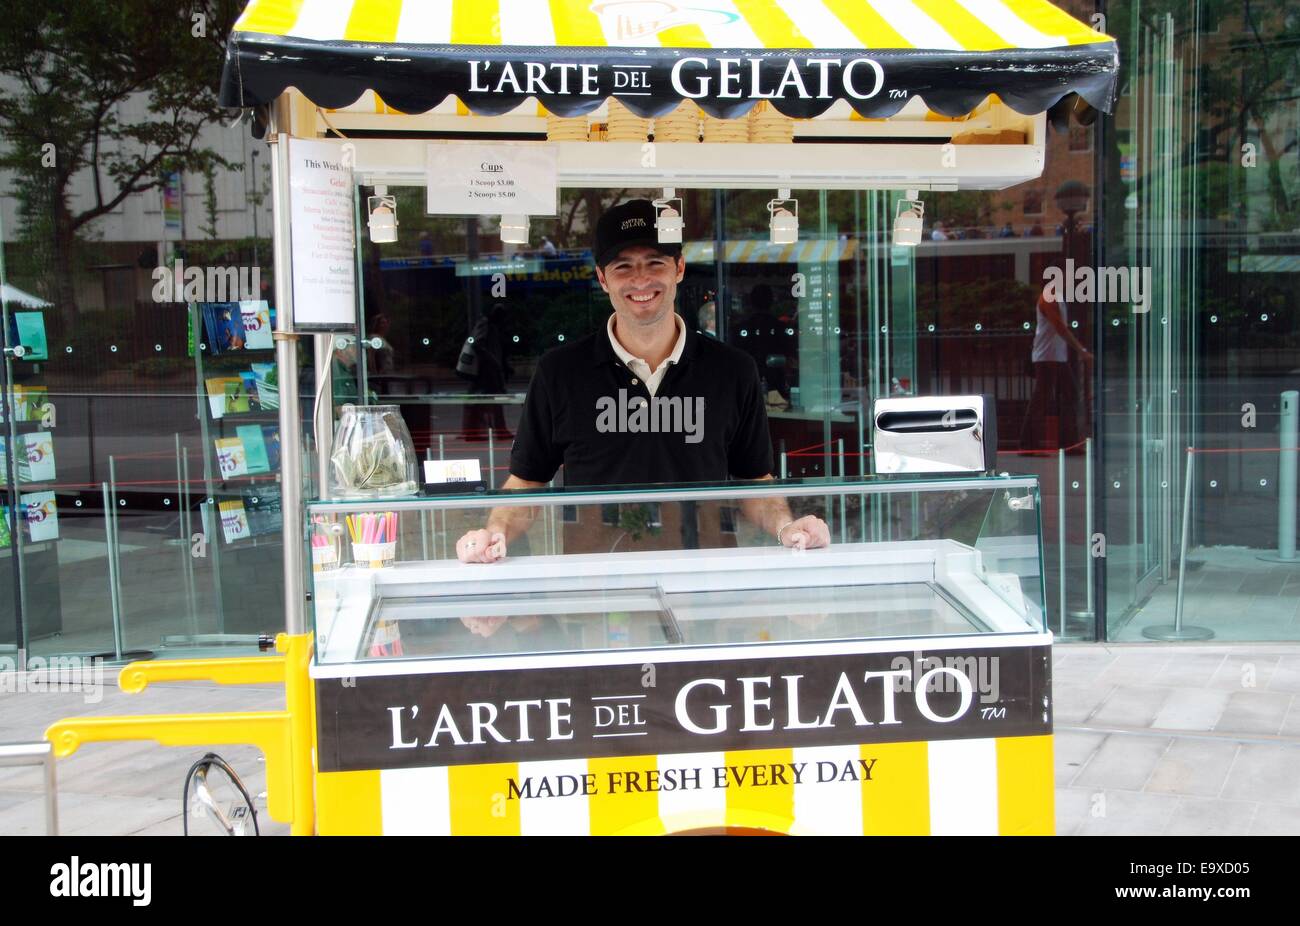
(769, 127)
(725, 131)
(624, 125)
(558, 129)
(680, 125)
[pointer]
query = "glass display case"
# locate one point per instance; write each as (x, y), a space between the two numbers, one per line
(652, 660)
(658, 567)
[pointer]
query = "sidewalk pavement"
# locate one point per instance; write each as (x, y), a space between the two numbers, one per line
(1192, 739)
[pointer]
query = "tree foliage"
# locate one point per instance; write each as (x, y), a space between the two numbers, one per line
(118, 89)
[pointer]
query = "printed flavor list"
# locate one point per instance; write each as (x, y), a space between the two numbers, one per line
(321, 215)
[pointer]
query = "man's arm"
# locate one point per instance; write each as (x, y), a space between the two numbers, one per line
(772, 514)
(505, 524)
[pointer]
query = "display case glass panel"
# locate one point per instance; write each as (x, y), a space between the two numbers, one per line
(646, 568)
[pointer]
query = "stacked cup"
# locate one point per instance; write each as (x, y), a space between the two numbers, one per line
(680, 125)
(561, 129)
(725, 131)
(624, 125)
(768, 127)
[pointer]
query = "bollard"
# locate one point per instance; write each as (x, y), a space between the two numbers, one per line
(1288, 445)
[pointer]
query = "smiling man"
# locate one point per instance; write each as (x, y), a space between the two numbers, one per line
(642, 400)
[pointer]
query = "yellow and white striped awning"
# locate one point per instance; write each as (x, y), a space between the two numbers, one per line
(571, 55)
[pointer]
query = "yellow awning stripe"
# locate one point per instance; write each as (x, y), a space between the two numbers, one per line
(1052, 20)
(476, 23)
(973, 25)
(270, 17)
(373, 21)
(575, 25)
(868, 26)
(689, 36)
(970, 32)
(771, 24)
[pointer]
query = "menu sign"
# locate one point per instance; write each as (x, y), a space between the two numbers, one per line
(491, 179)
(682, 706)
(323, 235)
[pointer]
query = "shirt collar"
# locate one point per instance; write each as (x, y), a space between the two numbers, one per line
(622, 353)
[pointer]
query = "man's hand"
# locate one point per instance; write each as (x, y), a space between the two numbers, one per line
(481, 546)
(807, 533)
(483, 626)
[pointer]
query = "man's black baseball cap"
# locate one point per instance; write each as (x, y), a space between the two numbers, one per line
(627, 225)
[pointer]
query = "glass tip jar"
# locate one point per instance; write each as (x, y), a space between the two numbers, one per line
(373, 454)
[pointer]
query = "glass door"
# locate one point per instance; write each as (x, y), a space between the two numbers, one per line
(1151, 378)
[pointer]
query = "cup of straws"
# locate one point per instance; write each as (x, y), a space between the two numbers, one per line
(374, 538)
(326, 534)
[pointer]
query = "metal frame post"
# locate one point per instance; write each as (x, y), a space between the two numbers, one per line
(1177, 630)
(19, 755)
(286, 359)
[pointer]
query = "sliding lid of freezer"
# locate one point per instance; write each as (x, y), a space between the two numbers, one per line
(687, 566)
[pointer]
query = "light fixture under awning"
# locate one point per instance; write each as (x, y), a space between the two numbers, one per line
(572, 55)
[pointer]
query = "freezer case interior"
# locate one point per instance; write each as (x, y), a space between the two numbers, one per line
(582, 603)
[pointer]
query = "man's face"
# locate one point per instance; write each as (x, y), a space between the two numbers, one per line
(642, 284)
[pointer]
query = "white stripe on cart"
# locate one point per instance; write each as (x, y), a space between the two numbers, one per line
(554, 816)
(692, 808)
(963, 787)
(415, 801)
(832, 808)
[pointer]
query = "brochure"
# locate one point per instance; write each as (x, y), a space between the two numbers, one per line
(217, 393)
(31, 335)
(40, 512)
(236, 396)
(267, 385)
(234, 520)
(254, 448)
(257, 325)
(39, 463)
(232, 460)
(224, 323)
(271, 441)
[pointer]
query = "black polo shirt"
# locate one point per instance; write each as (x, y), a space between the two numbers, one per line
(586, 411)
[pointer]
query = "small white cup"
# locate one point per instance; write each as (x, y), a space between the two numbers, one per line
(374, 555)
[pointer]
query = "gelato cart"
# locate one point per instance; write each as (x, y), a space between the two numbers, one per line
(644, 661)
(641, 663)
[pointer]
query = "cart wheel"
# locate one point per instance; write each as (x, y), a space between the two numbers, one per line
(215, 801)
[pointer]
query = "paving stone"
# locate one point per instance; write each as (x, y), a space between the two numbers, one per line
(1193, 670)
(1135, 667)
(1129, 813)
(1240, 669)
(1276, 820)
(1131, 706)
(1191, 709)
(1286, 675)
(1266, 773)
(1193, 767)
(1122, 762)
(1291, 726)
(1073, 750)
(1072, 808)
(1196, 816)
(1254, 712)
(1076, 703)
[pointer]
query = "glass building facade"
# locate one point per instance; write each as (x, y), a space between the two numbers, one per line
(132, 525)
